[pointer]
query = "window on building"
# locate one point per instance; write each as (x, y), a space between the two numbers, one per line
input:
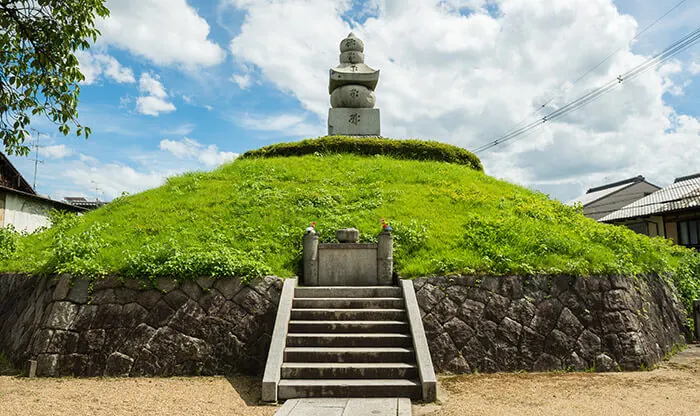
(689, 233)
(639, 228)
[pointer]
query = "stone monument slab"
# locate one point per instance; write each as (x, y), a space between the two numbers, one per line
(353, 121)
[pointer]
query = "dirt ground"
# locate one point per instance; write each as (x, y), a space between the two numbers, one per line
(673, 389)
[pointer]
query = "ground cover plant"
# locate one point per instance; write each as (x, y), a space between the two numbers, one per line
(247, 218)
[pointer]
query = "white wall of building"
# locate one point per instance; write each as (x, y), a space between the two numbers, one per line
(25, 214)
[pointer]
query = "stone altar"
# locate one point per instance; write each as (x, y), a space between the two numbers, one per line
(348, 263)
(351, 86)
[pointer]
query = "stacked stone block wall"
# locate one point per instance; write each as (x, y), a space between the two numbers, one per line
(514, 323)
(116, 328)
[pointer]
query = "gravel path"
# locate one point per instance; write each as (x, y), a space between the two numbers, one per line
(195, 396)
(672, 389)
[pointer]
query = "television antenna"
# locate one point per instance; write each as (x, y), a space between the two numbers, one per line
(97, 190)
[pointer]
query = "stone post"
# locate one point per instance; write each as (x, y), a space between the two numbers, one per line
(385, 259)
(31, 368)
(696, 318)
(310, 242)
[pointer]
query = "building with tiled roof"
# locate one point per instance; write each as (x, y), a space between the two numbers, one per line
(673, 210)
(605, 199)
(20, 206)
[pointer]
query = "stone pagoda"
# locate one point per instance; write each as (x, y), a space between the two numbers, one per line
(351, 87)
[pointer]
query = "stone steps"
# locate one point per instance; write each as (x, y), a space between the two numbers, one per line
(349, 340)
(349, 370)
(349, 314)
(296, 388)
(400, 327)
(348, 303)
(349, 355)
(348, 292)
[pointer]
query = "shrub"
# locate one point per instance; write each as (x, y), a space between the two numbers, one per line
(687, 281)
(370, 146)
(8, 241)
(167, 260)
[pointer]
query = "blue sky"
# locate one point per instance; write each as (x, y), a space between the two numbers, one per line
(175, 86)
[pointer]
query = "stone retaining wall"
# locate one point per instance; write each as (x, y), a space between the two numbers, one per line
(510, 323)
(549, 323)
(116, 328)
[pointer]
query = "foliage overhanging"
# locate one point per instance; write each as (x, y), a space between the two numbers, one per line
(40, 72)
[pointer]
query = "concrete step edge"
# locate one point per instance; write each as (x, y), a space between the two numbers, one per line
(353, 322)
(350, 365)
(377, 382)
(350, 310)
(354, 350)
(348, 335)
(373, 299)
(347, 292)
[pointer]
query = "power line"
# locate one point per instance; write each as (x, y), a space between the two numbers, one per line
(656, 60)
(584, 75)
(669, 11)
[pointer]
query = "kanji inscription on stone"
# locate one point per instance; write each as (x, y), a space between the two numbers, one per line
(354, 119)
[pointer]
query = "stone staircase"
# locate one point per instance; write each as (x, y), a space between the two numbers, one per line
(349, 342)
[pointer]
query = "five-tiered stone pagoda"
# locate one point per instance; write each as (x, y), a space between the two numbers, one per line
(351, 86)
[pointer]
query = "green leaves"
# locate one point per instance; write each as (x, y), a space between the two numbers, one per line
(40, 72)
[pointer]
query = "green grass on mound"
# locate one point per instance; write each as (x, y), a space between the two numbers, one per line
(247, 219)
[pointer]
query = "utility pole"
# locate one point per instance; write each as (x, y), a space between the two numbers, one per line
(36, 155)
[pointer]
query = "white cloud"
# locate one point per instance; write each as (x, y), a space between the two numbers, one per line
(289, 124)
(466, 79)
(113, 178)
(87, 159)
(694, 68)
(181, 130)
(191, 149)
(154, 98)
(244, 81)
(95, 65)
(168, 32)
(58, 151)
(136, 171)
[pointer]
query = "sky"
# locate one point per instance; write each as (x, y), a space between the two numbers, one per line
(180, 85)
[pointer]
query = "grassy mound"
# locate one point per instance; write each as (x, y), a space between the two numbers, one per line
(247, 218)
(371, 146)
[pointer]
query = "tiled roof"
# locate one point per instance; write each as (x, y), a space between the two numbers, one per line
(684, 193)
(591, 197)
(57, 204)
(600, 192)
